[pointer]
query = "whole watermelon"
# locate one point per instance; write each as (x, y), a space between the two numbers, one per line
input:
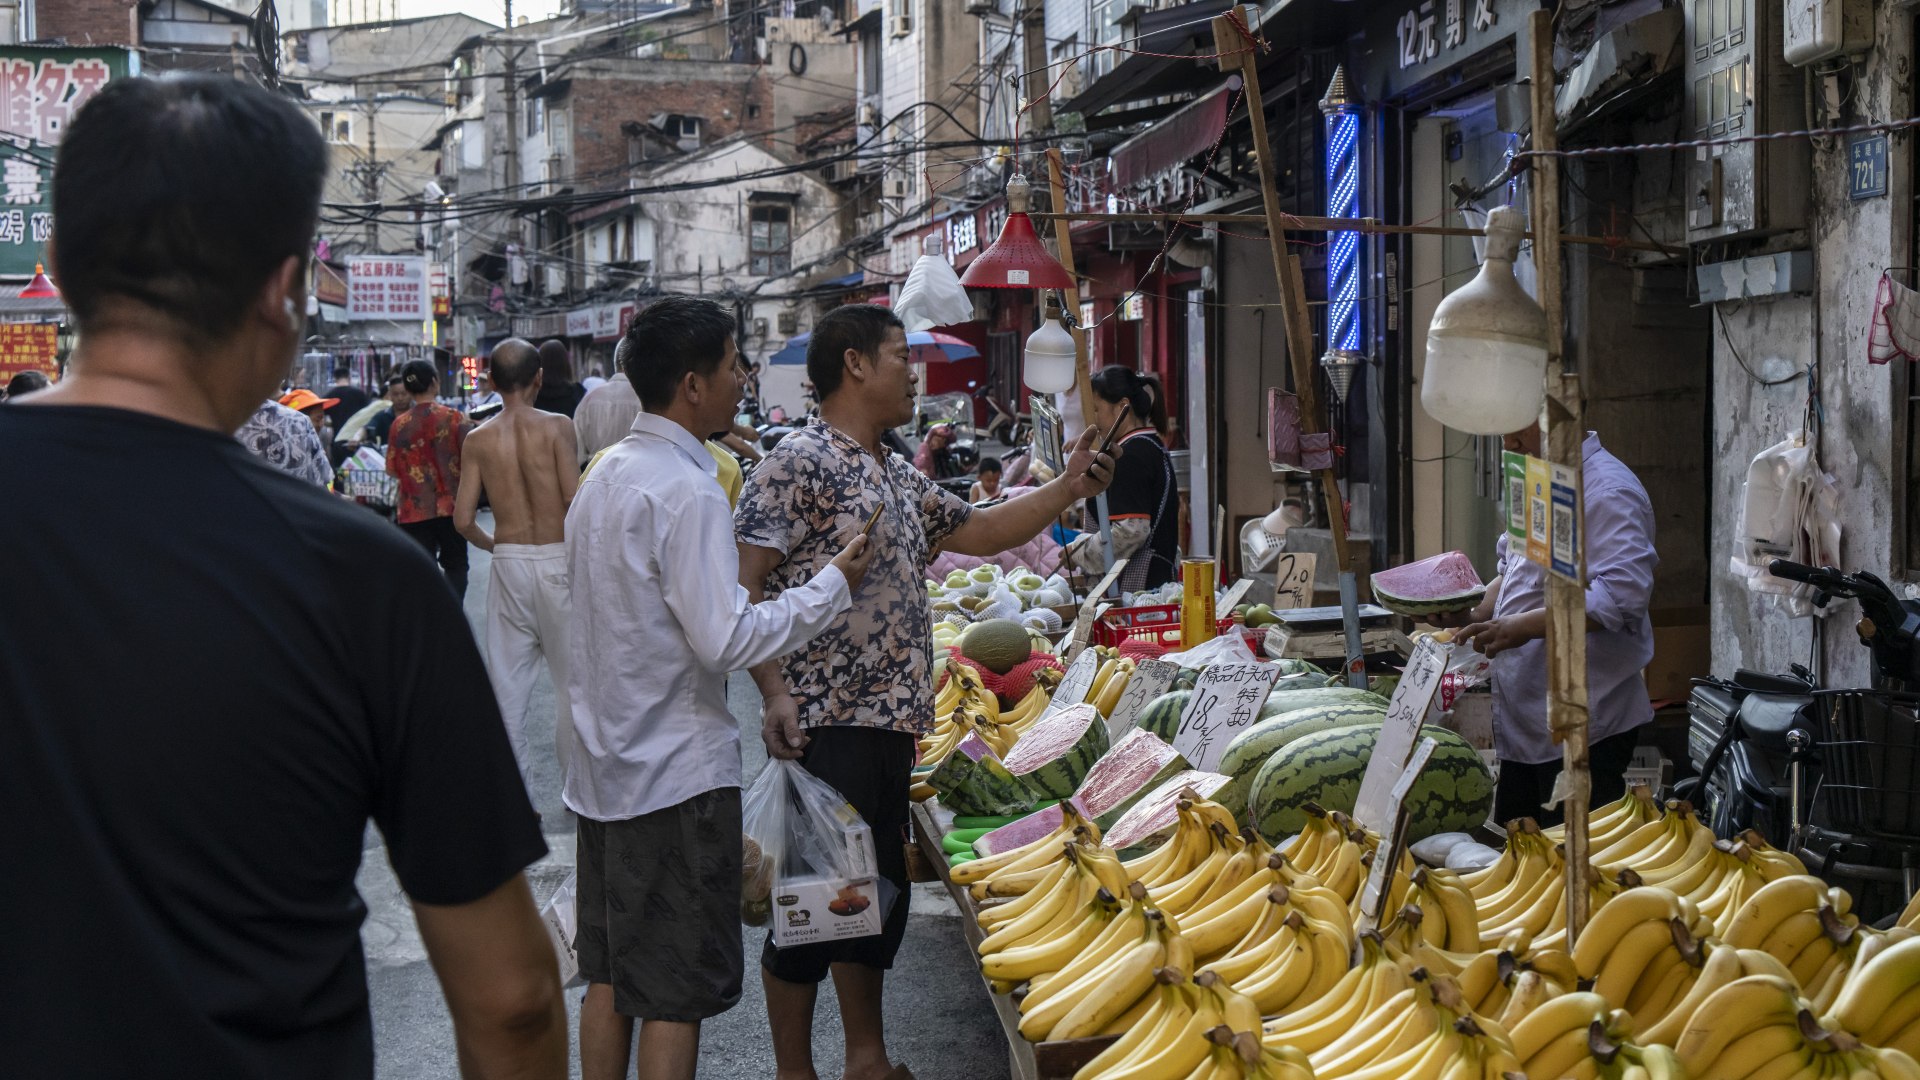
(1253, 747)
(1284, 699)
(1454, 794)
(1162, 714)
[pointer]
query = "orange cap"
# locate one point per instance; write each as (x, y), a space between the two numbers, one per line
(302, 400)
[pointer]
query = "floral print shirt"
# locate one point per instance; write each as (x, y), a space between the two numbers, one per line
(424, 453)
(287, 441)
(872, 667)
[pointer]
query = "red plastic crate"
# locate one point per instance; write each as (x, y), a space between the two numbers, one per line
(1156, 624)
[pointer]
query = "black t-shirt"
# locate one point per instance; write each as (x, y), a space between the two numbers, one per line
(1143, 487)
(211, 677)
(352, 400)
(559, 397)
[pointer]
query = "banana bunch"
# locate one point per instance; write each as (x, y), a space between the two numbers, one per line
(1230, 859)
(1800, 922)
(1424, 1031)
(1580, 1036)
(1640, 953)
(1881, 999)
(1524, 889)
(1606, 824)
(964, 706)
(1504, 982)
(1724, 964)
(1238, 916)
(1106, 988)
(1910, 916)
(1658, 849)
(1194, 842)
(1451, 921)
(1018, 870)
(1287, 958)
(1110, 681)
(1201, 1029)
(1028, 710)
(1760, 1026)
(1769, 860)
(1332, 849)
(1041, 931)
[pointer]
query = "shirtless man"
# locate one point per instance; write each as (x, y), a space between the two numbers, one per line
(524, 461)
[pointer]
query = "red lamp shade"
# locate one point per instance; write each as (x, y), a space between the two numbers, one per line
(40, 288)
(1018, 259)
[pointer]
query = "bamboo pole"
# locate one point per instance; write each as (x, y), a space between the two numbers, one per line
(1566, 600)
(1062, 228)
(1296, 223)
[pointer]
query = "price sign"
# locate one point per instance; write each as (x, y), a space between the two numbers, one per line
(1373, 895)
(1091, 611)
(1226, 701)
(1293, 580)
(1150, 679)
(1077, 681)
(1231, 599)
(1418, 683)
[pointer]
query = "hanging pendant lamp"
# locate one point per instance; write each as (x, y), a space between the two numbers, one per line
(1487, 345)
(41, 287)
(1018, 259)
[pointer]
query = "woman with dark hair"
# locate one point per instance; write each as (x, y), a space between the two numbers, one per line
(425, 458)
(558, 392)
(1144, 499)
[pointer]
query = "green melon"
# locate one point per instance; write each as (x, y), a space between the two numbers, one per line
(1055, 754)
(999, 645)
(1293, 665)
(1187, 679)
(1253, 747)
(1162, 714)
(1286, 700)
(1454, 794)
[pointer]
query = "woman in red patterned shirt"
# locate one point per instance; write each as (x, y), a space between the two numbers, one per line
(424, 454)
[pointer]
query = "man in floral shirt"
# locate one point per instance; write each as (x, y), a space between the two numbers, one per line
(287, 441)
(851, 703)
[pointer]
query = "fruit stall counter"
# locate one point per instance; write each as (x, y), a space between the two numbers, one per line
(1025, 1060)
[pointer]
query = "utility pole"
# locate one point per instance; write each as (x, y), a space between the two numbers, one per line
(513, 130)
(371, 178)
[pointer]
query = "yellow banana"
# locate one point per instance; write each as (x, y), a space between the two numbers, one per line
(1741, 1006)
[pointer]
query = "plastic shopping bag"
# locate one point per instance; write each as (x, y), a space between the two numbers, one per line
(1789, 510)
(562, 919)
(815, 874)
(932, 296)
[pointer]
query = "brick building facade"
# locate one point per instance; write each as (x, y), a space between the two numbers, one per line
(85, 22)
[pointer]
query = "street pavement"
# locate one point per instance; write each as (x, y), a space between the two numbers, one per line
(939, 1022)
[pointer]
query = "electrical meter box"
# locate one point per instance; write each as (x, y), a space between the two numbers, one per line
(1738, 84)
(1817, 30)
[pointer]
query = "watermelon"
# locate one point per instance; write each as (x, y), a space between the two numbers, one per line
(1293, 665)
(1252, 748)
(1454, 794)
(973, 781)
(1162, 714)
(1153, 818)
(1187, 679)
(1055, 754)
(1135, 765)
(1446, 582)
(1293, 700)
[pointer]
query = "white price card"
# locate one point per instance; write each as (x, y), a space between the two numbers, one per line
(1151, 678)
(1393, 842)
(1418, 683)
(1091, 611)
(1077, 681)
(1226, 701)
(1231, 598)
(1293, 580)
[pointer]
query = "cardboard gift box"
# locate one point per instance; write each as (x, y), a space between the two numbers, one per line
(807, 911)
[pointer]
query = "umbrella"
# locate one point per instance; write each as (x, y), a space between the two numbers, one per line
(925, 347)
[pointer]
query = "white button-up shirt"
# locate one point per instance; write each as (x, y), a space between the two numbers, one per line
(659, 619)
(605, 415)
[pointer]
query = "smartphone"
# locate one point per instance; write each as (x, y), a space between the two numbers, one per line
(1106, 445)
(872, 520)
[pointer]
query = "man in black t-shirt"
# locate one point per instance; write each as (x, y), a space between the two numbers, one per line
(199, 710)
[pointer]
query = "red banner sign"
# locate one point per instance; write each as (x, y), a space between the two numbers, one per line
(27, 347)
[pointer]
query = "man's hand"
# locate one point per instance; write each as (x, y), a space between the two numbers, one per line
(1087, 472)
(853, 560)
(780, 728)
(1496, 636)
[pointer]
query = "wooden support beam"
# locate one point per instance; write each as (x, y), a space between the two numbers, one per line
(1228, 38)
(1057, 187)
(1566, 431)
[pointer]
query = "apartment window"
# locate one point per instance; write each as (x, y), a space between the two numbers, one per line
(337, 127)
(769, 239)
(9, 22)
(536, 115)
(900, 14)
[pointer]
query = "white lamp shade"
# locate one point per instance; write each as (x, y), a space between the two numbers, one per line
(1487, 345)
(1050, 359)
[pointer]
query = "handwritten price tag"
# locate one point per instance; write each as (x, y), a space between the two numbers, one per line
(1077, 681)
(1225, 702)
(1293, 580)
(1374, 894)
(1150, 679)
(1418, 684)
(1090, 611)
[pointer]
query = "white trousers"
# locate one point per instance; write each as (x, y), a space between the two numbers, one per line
(527, 611)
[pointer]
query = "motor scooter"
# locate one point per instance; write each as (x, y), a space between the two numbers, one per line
(1831, 774)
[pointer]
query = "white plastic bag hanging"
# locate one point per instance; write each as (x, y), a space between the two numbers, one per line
(1789, 510)
(816, 875)
(932, 296)
(563, 924)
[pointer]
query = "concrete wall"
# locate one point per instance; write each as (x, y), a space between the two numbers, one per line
(1852, 243)
(825, 83)
(1251, 356)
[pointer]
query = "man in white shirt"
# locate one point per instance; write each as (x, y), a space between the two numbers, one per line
(606, 414)
(659, 618)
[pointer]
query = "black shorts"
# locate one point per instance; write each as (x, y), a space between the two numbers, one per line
(872, 768)
(659, 908)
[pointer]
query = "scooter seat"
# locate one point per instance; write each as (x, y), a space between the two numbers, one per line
(1767, 718)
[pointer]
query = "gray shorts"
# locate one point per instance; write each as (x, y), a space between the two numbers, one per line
(659, 908)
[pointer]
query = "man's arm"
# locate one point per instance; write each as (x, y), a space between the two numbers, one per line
(496, 968)
(780, 726)
(466, 499)
(994, 529)
(566, 460)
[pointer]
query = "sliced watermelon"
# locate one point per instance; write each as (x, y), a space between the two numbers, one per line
(973, 781)
(1153, 818)
(1135, 765)
(1056, 753)
(1020, 833)
(1445, 582)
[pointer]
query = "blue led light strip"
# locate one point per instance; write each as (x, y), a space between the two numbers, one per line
(1343, 253)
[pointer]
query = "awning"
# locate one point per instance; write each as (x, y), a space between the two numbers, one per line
(1186, 134)
(845, 281)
